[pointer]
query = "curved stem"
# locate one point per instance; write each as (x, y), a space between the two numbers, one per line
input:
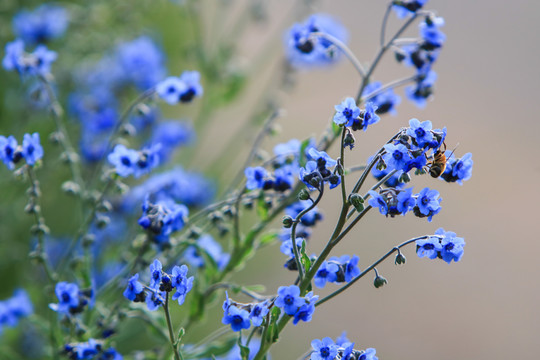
(391, 85)
(384, 23)
(345, 49)
(368, 269)
(379, 183)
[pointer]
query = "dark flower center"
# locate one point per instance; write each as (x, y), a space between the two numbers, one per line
(125, 161)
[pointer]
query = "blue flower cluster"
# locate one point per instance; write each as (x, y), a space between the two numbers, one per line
(128, 162)
(301, 308)
(11, 153)
(44, 23)
(458, 170)
(162, 218)
(161, 283)
(15, 308)
(241, 316)
(318, 171)
(404, 8)
(286, 166)
(392, 202)
(337, 270)
(342, 348)
(37, 62)
(91, 349)
(385, 101)
(305, 50)
(71, 299)
(444, 245)
(350, 115)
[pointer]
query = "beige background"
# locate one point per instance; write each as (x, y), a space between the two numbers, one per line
(486, 306)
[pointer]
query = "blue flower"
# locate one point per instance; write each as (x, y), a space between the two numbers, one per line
(289, 299)
(15, 308)
(123, 160)
(346, 112)
(237, 318)
(369, 354)
(142, 62)
(451, 246)
(377, 201)
(44, 23)
(386, 101)
(324, 350)
(258, 312)
(171, 89)
(181, 282)
(31, 148)
(420, 131)
(41, 60)
(404, 8)
(256, 177)
(171, 134)
(458, 170)
(310, 218)
(327, 273)
(155, 299)
(431, 34)
(427, 203)
(209, 247)
(406, 201)
(134, 289)
(88, 350)
(148, 158)
(286, 247)
(304, 313)
(396, 156)
(351, 267)
(162, 218)
(429, 247)
(96, 111)
(68, 296)
(13, 59)
(9, 152)
(368, 116)
(423, 89)
(304, 50)
(193, 87)
(155, 274)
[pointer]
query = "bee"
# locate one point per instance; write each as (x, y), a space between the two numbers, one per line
(438, 164)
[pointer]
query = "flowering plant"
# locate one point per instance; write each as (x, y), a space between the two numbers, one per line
(143, 227)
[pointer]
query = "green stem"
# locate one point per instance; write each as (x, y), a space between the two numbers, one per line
(177, 355)
(345, 49)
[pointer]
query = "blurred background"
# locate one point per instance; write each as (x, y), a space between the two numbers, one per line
(485, 306)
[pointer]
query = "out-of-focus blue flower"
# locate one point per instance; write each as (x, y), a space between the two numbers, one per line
(13, 59)
(324, 350)
(163, 218)
(404, 8)
(171, 134)
(155, 299)
(14, 309)
(148, 159)
(180, 89)
(346, 112)
(96, 111)
(156, 270)
(124, 160)
(310, 218)
(237, 318)
(37, 63)
(289, 299)
(189, 188)
(255, 177)
(192, 81)
(31, 148)
(304, 50)
(9, 153)
(142, 62)
(423, 89)
(369, 354)
(212, 248)
(386, 101)
(431, 34)
(44, 23)
(458, 170)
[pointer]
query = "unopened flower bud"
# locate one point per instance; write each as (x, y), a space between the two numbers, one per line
(400, 259)
(71, 188)
(303, 195)
(39, 230)
(102, 221)
(357, 201)
(349, 140)
(88, 240)
(287, 221)
(56, 137)
(405, 178)
(379, 281)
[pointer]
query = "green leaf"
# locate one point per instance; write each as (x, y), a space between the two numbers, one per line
(262, 207)
(244, 350)
(306, 262)
(302, 158)
(268, 238)
(181, 333)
